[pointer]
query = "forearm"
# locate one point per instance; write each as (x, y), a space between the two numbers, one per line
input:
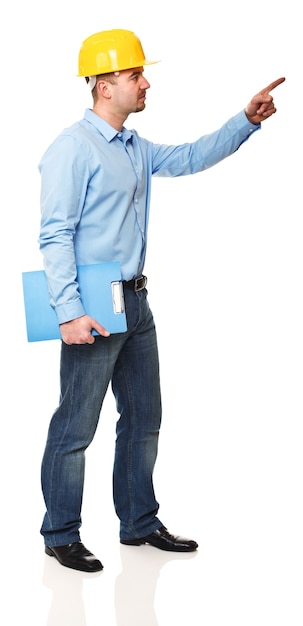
(206, 152)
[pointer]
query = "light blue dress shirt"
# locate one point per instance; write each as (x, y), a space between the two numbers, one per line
(95, 196)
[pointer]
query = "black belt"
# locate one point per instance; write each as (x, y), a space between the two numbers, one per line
(136, 284)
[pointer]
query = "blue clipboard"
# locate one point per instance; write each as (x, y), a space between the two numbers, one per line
(101, 290)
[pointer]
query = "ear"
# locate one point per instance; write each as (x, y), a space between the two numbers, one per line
(104, 89)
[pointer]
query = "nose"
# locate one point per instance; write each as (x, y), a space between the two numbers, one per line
(145, 84)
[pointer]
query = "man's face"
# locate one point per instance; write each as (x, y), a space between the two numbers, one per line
(129, 91)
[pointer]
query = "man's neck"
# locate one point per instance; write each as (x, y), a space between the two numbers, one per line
(114, 120)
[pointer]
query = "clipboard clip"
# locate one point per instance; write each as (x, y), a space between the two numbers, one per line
(118, 297)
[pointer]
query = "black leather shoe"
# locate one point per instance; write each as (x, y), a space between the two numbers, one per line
(163, 540)
(76, 556)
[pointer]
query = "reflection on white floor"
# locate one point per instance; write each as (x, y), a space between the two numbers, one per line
(246, 572)
(131, 599)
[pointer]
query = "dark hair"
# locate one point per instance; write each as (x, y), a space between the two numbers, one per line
(110, 77)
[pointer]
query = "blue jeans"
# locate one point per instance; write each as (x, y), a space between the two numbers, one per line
(130, 362)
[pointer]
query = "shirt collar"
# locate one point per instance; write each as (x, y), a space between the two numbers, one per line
(104, 128)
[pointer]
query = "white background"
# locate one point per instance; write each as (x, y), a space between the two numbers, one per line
(225, 284)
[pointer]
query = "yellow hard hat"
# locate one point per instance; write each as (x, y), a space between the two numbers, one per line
(111, 51)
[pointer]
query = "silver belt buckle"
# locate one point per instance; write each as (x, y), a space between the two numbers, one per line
(140, 283)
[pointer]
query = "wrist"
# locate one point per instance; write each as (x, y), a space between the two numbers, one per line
(251, 118)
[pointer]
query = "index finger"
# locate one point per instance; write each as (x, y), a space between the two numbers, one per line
(273, 85)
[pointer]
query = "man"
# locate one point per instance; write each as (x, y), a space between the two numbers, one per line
(95, 198)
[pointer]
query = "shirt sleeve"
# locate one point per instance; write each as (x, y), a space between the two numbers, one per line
(64, 175)
(191, 158)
